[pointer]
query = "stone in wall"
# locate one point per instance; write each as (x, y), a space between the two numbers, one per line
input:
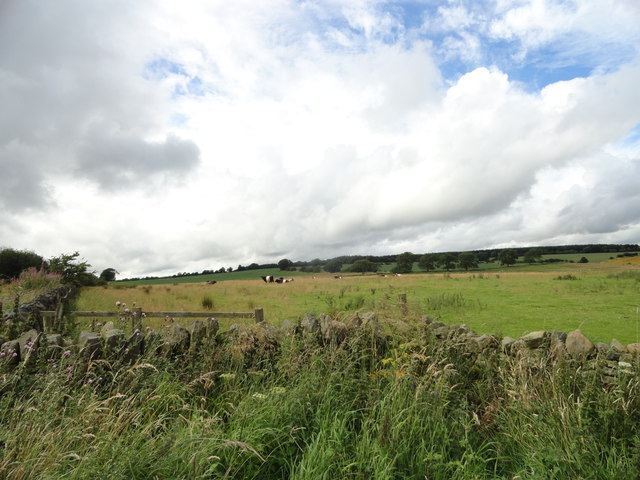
(535, 340)
(90, 344)
(578, 345)
(634, 348)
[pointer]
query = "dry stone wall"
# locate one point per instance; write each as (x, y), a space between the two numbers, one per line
(264, 340)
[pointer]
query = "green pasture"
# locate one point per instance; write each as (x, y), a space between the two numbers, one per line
(602, 300)
(218, 277)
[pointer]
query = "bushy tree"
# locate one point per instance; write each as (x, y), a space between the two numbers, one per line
(333, 266)
(404, 263)
(507, 257)
(533, 255)
(448, 260)
(428, 262)
(73, 271)
(109, 274)
(468, 260)
(285, 264)
(12, 262)
(363, 266)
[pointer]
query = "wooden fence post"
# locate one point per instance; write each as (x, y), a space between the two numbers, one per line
(47, 322)
(259, 313)
(58, 321)
(402, 298)
(137, 320)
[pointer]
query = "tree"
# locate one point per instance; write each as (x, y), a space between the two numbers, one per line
(72, 271)
(533, 255)
(363, 266)
(507, 257)
(583, 260)
(333, 266)
(109, 274)
(404, 263)
(468, 260)
(428, 262)
(448, 261)
(12, 262)
(285, 264)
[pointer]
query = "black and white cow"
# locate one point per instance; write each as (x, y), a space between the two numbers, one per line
(268, 279)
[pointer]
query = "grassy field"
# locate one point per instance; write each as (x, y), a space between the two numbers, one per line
(601, 299)
(399, 406)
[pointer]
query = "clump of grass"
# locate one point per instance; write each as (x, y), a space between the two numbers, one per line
(446, 300)
(566, 277)
(207, 302)
(626, 275)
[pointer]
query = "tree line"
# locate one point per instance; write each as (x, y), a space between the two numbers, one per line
(77, 271)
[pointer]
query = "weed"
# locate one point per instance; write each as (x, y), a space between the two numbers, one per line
(207, 302)
(566, 277)
(446, 300)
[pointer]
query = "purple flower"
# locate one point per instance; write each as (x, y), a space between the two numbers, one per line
(118, 304)
(66, 353)
(126, 310)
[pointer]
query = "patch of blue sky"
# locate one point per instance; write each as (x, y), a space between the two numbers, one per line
(413, 13)
(162, 68)
(178, 120)
(193, 87)
(633, 137)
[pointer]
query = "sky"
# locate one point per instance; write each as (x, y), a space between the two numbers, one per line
(160, 137)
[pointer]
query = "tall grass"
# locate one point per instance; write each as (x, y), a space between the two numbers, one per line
(402, 407)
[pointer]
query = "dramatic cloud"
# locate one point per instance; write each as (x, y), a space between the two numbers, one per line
(156, 139)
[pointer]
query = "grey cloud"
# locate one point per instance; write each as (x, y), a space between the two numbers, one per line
(119, 161)
(611, 205)
(22, 184)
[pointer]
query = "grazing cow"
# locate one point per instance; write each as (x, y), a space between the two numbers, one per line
(268, 279)
(338, 276)
(211, 282)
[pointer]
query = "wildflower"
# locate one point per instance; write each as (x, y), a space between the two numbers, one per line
(126, 310)
(66, 353)
(144, 315)
(259, 396)
(118, 304)
(2, 354)
(14, 354)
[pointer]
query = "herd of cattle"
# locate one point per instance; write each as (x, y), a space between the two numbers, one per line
(272, 279)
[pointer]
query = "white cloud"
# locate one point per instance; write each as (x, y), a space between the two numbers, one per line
(157, 139)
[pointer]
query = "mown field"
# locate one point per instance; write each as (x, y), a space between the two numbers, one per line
(601, 299)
